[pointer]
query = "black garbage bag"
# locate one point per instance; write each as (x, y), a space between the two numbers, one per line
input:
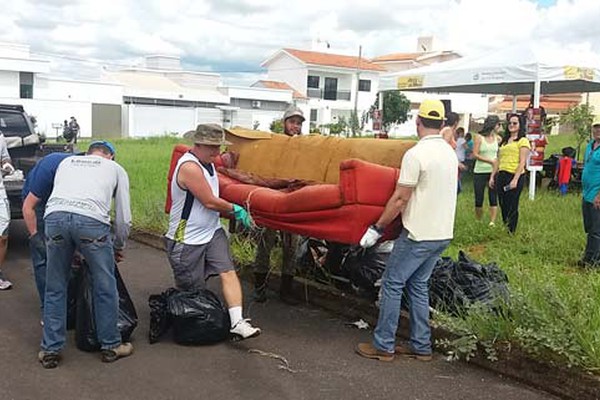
(485, 284)
(455, 285)
(72, 290)
(364, 267)
(160, 319)
(85, 327)
(198, 317)
(444, 293)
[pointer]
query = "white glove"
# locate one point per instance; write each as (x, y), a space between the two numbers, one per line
(370, 237)
(8, 168)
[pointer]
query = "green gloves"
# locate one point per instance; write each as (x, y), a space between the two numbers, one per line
(241, 215)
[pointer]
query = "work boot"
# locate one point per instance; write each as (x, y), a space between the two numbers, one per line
(48, 359)
(285, 290)
(367, 350)
(111, 355)
(406, 352)
(260, 287)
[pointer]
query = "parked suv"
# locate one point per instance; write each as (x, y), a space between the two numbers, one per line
(26, 147)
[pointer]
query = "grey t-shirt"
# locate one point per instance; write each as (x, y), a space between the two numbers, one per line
(85, 185)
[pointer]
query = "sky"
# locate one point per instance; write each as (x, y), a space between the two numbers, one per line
(233, 37)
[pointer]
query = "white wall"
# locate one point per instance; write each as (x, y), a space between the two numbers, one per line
(284, 68)
(9, 84)
(68, 90)
(56, 100)
(145, 121)
(258, 93)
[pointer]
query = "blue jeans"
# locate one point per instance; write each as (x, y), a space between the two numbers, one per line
(64, 233)
(37, 248)
(591, 225)
(410, 265)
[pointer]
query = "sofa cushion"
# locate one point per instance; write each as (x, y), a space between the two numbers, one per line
(256, 198)
(314, 157)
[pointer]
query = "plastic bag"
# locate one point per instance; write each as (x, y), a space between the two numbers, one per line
(85, 326)
(364, 267)
(198, 317)
(72, 290)
(454, 286)
(160, 319)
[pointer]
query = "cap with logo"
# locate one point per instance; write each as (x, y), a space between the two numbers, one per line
(208, 134)
(432, 109)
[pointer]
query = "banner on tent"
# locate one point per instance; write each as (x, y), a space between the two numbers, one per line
(574, 73)
(407, 82)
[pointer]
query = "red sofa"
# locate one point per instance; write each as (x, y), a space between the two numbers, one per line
(336, 212)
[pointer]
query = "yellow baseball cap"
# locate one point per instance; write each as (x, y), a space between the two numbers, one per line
(596, 120)
(432, 109)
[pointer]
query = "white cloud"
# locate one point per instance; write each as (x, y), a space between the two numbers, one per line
(236, 35)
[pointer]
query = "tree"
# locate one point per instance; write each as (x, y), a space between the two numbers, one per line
(354, 124)
(276, 126)
(580, 117)
(395, 108)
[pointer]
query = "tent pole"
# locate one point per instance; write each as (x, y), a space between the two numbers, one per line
(537, 89)
(514, 104)
(381, 130)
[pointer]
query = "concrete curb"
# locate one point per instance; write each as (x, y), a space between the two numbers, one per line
(571, 384)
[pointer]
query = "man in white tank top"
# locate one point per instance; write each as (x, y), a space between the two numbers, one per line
(197, 246)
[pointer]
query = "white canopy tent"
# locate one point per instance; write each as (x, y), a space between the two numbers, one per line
(513, 70)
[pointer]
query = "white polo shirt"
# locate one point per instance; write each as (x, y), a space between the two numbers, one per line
(431, 168)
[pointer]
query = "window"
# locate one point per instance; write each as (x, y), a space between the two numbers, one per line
(13, 124)
(314, 113)
(364, 85)
(26, 85)
(330, 89)
(313, 82)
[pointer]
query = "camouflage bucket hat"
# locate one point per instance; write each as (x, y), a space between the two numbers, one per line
(208, 134)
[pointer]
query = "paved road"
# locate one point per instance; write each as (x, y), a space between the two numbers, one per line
(319, 348)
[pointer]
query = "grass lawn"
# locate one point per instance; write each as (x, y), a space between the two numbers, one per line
(555, 306)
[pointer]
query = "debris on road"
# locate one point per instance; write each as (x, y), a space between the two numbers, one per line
(285, 365)
(360, 324)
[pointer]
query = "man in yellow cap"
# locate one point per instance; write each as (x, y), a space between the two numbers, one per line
(426, 197)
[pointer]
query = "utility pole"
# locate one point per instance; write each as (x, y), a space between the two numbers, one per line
(356, 91)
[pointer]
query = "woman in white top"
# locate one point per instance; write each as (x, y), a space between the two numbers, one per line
(485, 153)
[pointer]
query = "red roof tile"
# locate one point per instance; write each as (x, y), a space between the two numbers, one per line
(281, 86)
(333, 60)
(556, 103)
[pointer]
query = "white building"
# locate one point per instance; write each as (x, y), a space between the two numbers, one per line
(159, 98)
(331, 83)
(25, 80)
(467, 105)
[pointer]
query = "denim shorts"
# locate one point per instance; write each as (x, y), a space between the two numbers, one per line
(193, 264)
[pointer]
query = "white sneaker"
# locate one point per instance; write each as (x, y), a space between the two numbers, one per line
(4, 284)
(243, 330)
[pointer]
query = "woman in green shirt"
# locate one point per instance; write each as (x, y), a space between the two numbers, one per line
(508, 174)
(485, 153)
